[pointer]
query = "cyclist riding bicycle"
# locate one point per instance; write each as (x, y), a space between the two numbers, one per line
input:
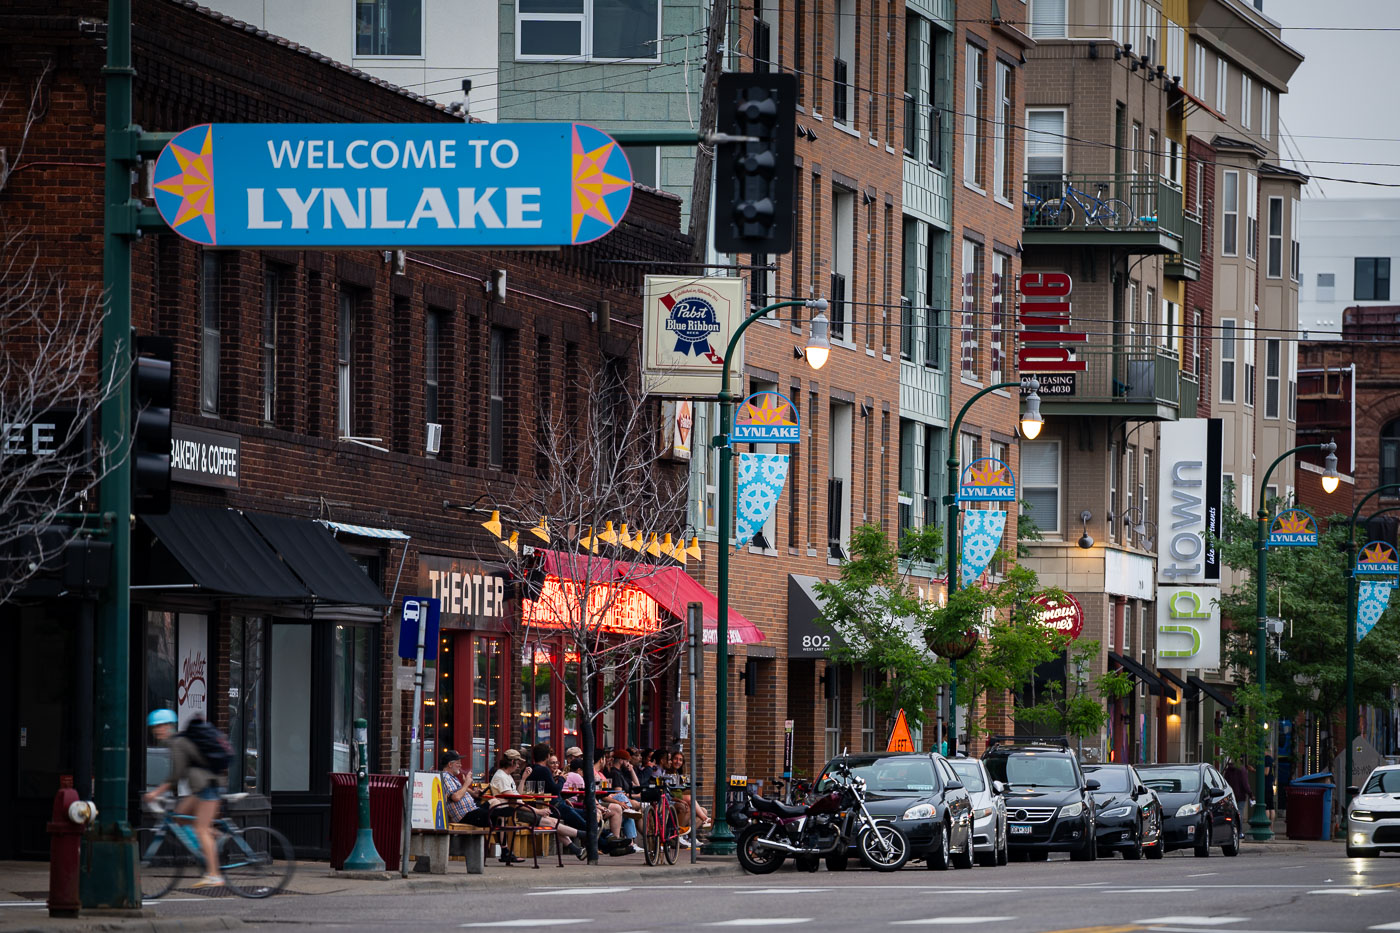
(188, 765)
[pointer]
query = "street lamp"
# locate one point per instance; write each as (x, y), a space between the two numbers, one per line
(1031, 423)
(1259, 824)
(1351, 624)
(816, 351)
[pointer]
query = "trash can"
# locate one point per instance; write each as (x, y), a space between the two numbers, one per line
(1309, 812)
(385, 816)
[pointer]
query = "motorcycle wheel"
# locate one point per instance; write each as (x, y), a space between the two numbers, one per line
(756, 859)
(883, 848)
(837, 862)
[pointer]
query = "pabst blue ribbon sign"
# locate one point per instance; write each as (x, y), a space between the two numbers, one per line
(685, 330)
(400, 185)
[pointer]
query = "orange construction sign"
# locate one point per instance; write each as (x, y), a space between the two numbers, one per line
(900, 738)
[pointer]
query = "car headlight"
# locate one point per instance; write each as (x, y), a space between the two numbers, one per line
(985, 811)
(923, 811)
(1189, 809)
(1117, 811)
(1363, 816)
(1073, 809)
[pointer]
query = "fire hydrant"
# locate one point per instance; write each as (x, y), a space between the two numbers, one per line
(71, 817)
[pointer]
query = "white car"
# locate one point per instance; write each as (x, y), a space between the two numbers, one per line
(988, 809)
(1373, 818)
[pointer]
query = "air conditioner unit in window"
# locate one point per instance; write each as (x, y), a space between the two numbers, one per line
(434, 442)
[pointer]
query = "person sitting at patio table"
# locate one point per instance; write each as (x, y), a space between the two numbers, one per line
(572, 796)
(506, 793)
(675, 777)
(461, 805)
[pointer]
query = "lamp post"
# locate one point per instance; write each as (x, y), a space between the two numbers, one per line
(1031, 423)
(1351, 625)
(1259, 825)
(818, 347)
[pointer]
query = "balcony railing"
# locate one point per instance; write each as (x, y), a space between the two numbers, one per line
(1143, 376)
(1187, 263)
(1104, 203)
(1190, 396)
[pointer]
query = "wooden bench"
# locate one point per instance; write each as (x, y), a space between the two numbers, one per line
(431, 848)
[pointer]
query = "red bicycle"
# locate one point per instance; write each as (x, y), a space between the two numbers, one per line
(661, 832)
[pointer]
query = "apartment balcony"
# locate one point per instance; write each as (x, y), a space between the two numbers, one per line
(1139, 213)
(1142, 383)
(1187, 264)
(1190, 395)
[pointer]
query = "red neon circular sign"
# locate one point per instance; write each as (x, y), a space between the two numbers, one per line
(1062, 613)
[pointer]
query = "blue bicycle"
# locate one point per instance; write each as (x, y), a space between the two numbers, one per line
(1059, 212)
(255, 862)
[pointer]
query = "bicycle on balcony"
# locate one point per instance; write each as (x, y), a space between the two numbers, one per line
(1060, 212)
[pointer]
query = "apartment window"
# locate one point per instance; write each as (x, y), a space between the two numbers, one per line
(432, 350)
(1120, 22)
(794, 530)
(1200, 186)
(210, 337)
(764, 57)
(936, 285)
(913, 65)
(1196, 364)
(1372, 281)
(1390, 453)
(760, 283)
(1230, 223)
(1045, 152)
(1000, 264)
(974, 109)
(838, 484)
(1049, 19)
(1171, 312)
(1130, 317)
(842, 259)
(1272, 377)
(1005, 136)
(831, 734)
(597, 30)
(909, 292)
(971, 308)
(1266, 112)
(1150, 41)
(646, 164)
(345, 384)
(1114, 465)
(1251, 242)
(1198, 69)
(1176, 50)
(1292, 382)
(1326, 286)
(389, 27)
(934, 455)
(1274, 254)
(1294, 252)
(909, 432)
(1227, 360)
(496, 400)
(870, 682)
(941, 100)
(1246, 100)
(843, 64)
(1040, 483)
(1222, 81)
(1148, 325)
(1247, 357)
(1129, 490)
(271, 282)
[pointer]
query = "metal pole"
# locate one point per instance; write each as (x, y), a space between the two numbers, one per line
(109, 879)
(721, 837)
(364, 857)
(695, 615)
(415, 750)
(1351, 629)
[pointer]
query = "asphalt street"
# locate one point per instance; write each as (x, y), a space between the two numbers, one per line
(1314, 891)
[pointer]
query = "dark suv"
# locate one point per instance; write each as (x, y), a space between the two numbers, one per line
(1049, 807)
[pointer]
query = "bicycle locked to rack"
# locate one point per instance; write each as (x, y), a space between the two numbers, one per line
(255, 861)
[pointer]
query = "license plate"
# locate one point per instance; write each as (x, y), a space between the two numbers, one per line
(1019, 830)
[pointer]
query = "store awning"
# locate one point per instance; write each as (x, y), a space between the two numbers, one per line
(1168, 677)
(1212, 691)
(214, 550)
(312, 554)
(807, 638)
(1153, 682)
(365, 531)
(671, 587)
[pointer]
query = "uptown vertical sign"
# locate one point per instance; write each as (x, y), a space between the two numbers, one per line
(1189, 501)
(1045, 311)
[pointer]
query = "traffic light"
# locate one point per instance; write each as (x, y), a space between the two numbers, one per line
(152, 393)
(754, 180)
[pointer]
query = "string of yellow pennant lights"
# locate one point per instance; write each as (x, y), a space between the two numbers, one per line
(653, 544)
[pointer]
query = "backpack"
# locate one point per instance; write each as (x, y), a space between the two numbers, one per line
(211, 744)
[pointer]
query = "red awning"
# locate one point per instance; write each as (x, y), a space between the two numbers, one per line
(671, 587)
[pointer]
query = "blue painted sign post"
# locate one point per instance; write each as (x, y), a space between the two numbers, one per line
(397, 186)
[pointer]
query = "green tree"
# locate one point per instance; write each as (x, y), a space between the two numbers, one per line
(1243, 730)
(1084, 713)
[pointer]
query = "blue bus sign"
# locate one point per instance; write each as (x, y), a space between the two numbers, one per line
(417, 609)
(391, 185)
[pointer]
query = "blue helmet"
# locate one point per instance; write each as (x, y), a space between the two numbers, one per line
(162, 717)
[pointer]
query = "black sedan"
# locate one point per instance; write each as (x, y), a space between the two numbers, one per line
(1198, 808)
(1129, 813)
(922, 797)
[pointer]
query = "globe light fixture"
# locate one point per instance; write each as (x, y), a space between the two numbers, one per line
(818, 342)
(1330, 479)
(1031, 421)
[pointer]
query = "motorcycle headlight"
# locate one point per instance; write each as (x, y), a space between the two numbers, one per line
(1117, 811)
(1363, 816)
(922, 811)
(1073, 809)
(1189, 809)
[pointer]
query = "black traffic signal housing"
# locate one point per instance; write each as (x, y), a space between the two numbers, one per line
(152, 394)
(754, 180)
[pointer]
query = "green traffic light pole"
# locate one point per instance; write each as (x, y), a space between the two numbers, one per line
(1351, 626)
(721, 837)
(1259, 826)
(1032, 415)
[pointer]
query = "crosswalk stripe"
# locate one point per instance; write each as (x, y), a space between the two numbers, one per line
(929, 921)
(1354, 892)
(760, 922)
(1386, 926)
(1193, 921)
(523, 922)
(578, 891)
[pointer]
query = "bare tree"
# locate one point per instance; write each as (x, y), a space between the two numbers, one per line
(52, 388)
(602, 463)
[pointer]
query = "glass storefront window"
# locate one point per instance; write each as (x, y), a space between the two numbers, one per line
(245, 705)
(486, 703)
(571, 717)
(160, 688)
(351, 690)
(289, 708)
(534, 696)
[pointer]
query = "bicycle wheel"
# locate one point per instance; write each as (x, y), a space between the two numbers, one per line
(1058, 214)
(164, 860)
(651, 836)
(256, 862)
(1115, 214)
(670, 836)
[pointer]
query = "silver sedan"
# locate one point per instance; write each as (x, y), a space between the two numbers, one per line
(988, 810)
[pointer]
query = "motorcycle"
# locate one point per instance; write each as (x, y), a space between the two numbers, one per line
(773, 831)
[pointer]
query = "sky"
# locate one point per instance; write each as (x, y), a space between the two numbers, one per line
(1348, 87)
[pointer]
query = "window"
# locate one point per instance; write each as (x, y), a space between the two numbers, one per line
(1246, 100)
(289, 708)
(842, 259)
(937, 286)
(1372, 281)
(974, 106)
(844, 63)
(1002, 184)
(1114, 465)
(1326, 286)
(245, 704)
(271, 282)
(1049, 19)
(432, 348)
(1222, 81)
(1129, 492)
(1272, 377)
(1390, 453)
(870, 682)
(1196, 345)
(795, 452)
(1171, 313)
(764, 50)
(1294, 251)
(645, 163)
(1266, 112)
(913, 66)
(1130, 317)
(1247, 354)
(210, 339)
(838, 484)
(909, 292)
(496, 416)
(941, 100)
(345, 385)
(1176, 50)
(389, 27)
(760, 283)
(1120, 22)
(1227, 360)
(352, 692)
(1292, 381)
(971, 308)
(600, 30)
(1045, 152)
(1150, 34)
(1274, 256)
(1251, 241)
(1040, 483)
(831, 734)
(1198, 69)
(1230, 224)
(1000, 263)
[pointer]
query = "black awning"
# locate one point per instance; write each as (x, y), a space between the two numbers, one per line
(1186, 689)
(1211, 691)
(313, 554)
(1153, 682)
(215, 550)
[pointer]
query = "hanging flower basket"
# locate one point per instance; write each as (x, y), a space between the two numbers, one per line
(953, 648)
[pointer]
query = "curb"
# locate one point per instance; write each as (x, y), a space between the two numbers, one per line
(102, 922)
